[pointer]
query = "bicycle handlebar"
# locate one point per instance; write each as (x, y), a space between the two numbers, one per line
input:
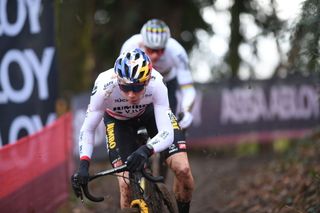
(122, 168)
(150, 177)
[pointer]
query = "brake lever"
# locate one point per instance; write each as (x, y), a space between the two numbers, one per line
(77, 187)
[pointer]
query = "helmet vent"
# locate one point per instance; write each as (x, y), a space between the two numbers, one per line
(134, 70)
(148, 71)
(119, 72)
(136, 56)
(141, 74)
(126, 69)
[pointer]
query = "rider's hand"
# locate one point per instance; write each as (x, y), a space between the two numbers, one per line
(83, 172)
(80, 178)
(186, 120)
(136, 160)
(76, 185)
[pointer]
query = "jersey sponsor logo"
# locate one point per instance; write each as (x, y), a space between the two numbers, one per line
(129, 109)
(154, 142)
(107, 84)
(81, 136)
(173, 119)
(172, 148)
(119, 100)
(110, 136)
(80, 150)
(164, 134)
(94, 90)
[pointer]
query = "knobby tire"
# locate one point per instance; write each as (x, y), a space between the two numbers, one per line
(153, 198)
(168, 198)
(160, 199)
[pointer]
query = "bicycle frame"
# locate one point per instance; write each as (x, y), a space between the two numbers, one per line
(137, 188)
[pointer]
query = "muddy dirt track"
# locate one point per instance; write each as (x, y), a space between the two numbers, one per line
(216, 178)
(275, 178)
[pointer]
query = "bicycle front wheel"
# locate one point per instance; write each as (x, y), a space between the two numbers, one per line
(168, 198)
(159, 198)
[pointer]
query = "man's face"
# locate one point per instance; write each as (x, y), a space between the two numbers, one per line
(132, 92)
(154, 54)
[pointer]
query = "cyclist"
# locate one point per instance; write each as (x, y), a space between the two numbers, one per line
(171, 60)
(128, 96)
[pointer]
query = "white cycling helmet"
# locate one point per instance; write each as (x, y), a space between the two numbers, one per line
(155, 34)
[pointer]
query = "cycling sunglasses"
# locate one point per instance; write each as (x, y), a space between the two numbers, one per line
(159, 51)
(131, 87)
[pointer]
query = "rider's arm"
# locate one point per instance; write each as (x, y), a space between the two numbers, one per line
(164, 138)
(94, 115)
(188, 97)
(184, 77)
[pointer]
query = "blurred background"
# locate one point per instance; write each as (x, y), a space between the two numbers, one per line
(225, 39)
(255, 64)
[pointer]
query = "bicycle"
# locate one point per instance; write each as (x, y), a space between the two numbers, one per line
(149, 193)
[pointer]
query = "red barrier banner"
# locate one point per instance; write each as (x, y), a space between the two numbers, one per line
(35, 171)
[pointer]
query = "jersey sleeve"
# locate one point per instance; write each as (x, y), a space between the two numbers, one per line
(164, 138)
(93, 117)
(184, 77)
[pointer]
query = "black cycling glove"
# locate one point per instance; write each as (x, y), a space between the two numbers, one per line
(80, 178)
(136, 160)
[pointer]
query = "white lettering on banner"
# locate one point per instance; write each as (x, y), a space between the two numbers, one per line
(242, 105)
(30, 124)
(29, 64)
(24, 7)
(34, 14)
(41, 70)
(9, 92)
(21, 122)
(307, 108)
(285, 103)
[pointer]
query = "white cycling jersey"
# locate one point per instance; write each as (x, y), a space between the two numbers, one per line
(172, 64)
(106, 97)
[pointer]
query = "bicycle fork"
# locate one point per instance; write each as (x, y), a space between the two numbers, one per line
(137, 196)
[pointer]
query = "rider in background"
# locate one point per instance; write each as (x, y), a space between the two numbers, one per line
(130, 96)
(171, 60)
